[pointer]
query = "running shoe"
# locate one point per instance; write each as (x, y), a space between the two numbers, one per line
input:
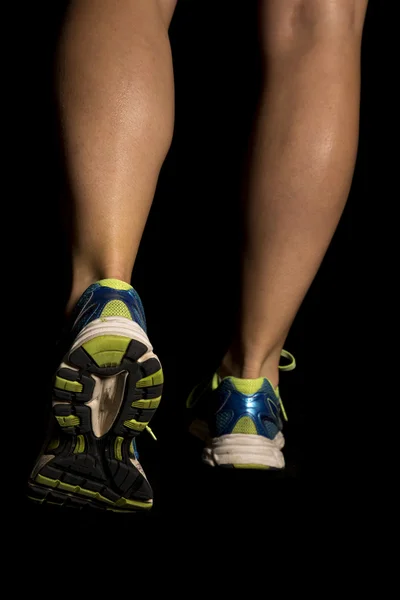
(239, 421)
(106, 390)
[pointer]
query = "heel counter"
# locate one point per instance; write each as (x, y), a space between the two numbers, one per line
(121, 303)
(253, 411)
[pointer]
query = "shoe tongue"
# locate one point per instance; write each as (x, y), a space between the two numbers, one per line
(116, 284)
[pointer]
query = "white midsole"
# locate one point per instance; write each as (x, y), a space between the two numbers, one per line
(113, 326)
(243, 449)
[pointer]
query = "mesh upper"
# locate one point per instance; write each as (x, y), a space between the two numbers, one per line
(245, 425)
(116, 308)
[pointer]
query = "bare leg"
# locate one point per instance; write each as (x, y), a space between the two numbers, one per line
(304, 152)
(117, 111)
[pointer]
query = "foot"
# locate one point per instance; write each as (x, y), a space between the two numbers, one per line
(240, 421)
(106, 389)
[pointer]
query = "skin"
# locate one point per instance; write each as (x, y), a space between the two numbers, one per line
(116, 97)
(304, 151)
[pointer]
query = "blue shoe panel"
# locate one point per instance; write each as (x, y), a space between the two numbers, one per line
(225, 406)
(93, 301)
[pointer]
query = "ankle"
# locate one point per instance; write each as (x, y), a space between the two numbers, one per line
(251, 368)
(83, 279)
(77, 289)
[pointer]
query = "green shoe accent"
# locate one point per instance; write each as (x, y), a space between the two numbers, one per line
(116, 308)
(38, 500)
(216, 380)
(153, 403)
(116, 284)
(247, 386)
(136, 503)
(53, 444)
(56, 483)
(135, 425)
(80, 445)
(69, 421)
(76, 489)
(245, 425)
(117, 447)
(107, 350)
(70, 386)
(251, 466)
(281, 403)
(155, 379)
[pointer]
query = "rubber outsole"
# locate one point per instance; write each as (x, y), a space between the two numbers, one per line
(79, 469)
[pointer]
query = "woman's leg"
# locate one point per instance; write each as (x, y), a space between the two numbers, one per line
(117, 109)
(116, 96)
(303, 156)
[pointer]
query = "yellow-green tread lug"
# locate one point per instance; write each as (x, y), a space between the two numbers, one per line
(251, 466)
(69, 421)
(75, 489)
(38, 500)
(136, 425)
(53, 444)
(118, 447)
(136, 503)
(151, 403)
(155, 379)
(107, 350)
(80, 444)
(120, 503)
(69, 386)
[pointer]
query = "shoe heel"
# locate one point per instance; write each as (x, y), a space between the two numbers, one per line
(244, 451)
(107, 374)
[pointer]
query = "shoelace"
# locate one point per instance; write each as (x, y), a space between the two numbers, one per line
(135, 450)
(289, 367)
(150, 431)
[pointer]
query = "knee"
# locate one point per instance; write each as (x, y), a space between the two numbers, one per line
(329, 17)
(289, 23)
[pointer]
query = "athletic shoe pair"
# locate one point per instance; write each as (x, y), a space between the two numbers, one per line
(106, 390)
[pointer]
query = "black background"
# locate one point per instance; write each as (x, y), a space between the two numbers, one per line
(187, 271)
